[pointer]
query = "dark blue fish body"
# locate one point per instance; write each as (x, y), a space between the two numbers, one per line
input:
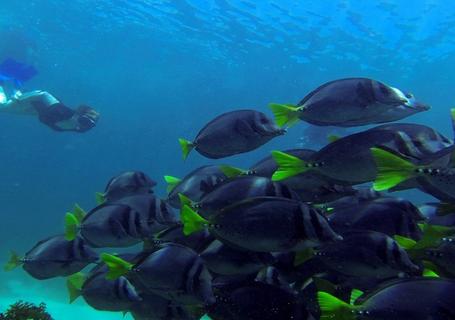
(387, 215)
(310, 186)
(416, 140)
(239, 189)
(109, 295)
(417, 299)
(224, 260)
(256, 301)
(235, 132)
(155, 307)
(176, 273)
(355, 102)
(196, 184)
(57, 257)
(267, 224)
(367, 254)
(127, 221)
(127, 184)
(197, 241)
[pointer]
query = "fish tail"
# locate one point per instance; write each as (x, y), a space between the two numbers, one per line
(78, 212)
(231, 172)
(184, 200)
(405, 243)
(303, 256)
(74, 285)
(192, 222)
(288, 166)
(172, 182)
(14, 261)
(334, 308)
(100, 198)
(71, 226)
(391, 169)
(186, 146)
(432, 235)
(117, 266)
(285, 114)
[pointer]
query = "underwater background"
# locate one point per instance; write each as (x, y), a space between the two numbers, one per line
(159, 70)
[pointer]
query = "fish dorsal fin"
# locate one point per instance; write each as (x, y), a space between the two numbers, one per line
(231, 172)
(172, 182)
(355, 294)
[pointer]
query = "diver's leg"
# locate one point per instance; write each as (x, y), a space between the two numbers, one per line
(3, 98)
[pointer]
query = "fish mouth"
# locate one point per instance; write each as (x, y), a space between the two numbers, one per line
(418, 106)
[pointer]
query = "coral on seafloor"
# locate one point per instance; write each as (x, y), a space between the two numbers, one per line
(26, 311)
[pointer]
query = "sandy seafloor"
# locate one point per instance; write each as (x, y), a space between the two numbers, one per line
(20, 286)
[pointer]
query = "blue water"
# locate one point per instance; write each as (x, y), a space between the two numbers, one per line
(159, 70)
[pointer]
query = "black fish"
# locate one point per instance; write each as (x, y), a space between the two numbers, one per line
(54, 257)
(232, 133)
(127, 184)
(174, 272)
(264, 224)
(194, 185)
(350, 102)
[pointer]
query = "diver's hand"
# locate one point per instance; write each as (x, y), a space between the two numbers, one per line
(87, 118)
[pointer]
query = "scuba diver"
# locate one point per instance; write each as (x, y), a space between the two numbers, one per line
(42, 104)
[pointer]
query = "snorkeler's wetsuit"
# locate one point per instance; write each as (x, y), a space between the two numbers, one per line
(49, 110)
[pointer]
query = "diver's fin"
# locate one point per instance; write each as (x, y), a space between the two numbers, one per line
(334, 308)
(117, 266)
(17, 70)
(288, 166)
(14, 261)
(186, 146)
(355, 294)
(285, 114)
(231, 172)
(391, 169)
(172, 182)
(332, 138)
(192, 222)
(100, 198)
(74, 285)
(71, 226)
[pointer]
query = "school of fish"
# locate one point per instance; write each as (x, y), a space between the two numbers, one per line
(302, 234)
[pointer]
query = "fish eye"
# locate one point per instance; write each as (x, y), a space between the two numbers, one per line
(409, 95)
